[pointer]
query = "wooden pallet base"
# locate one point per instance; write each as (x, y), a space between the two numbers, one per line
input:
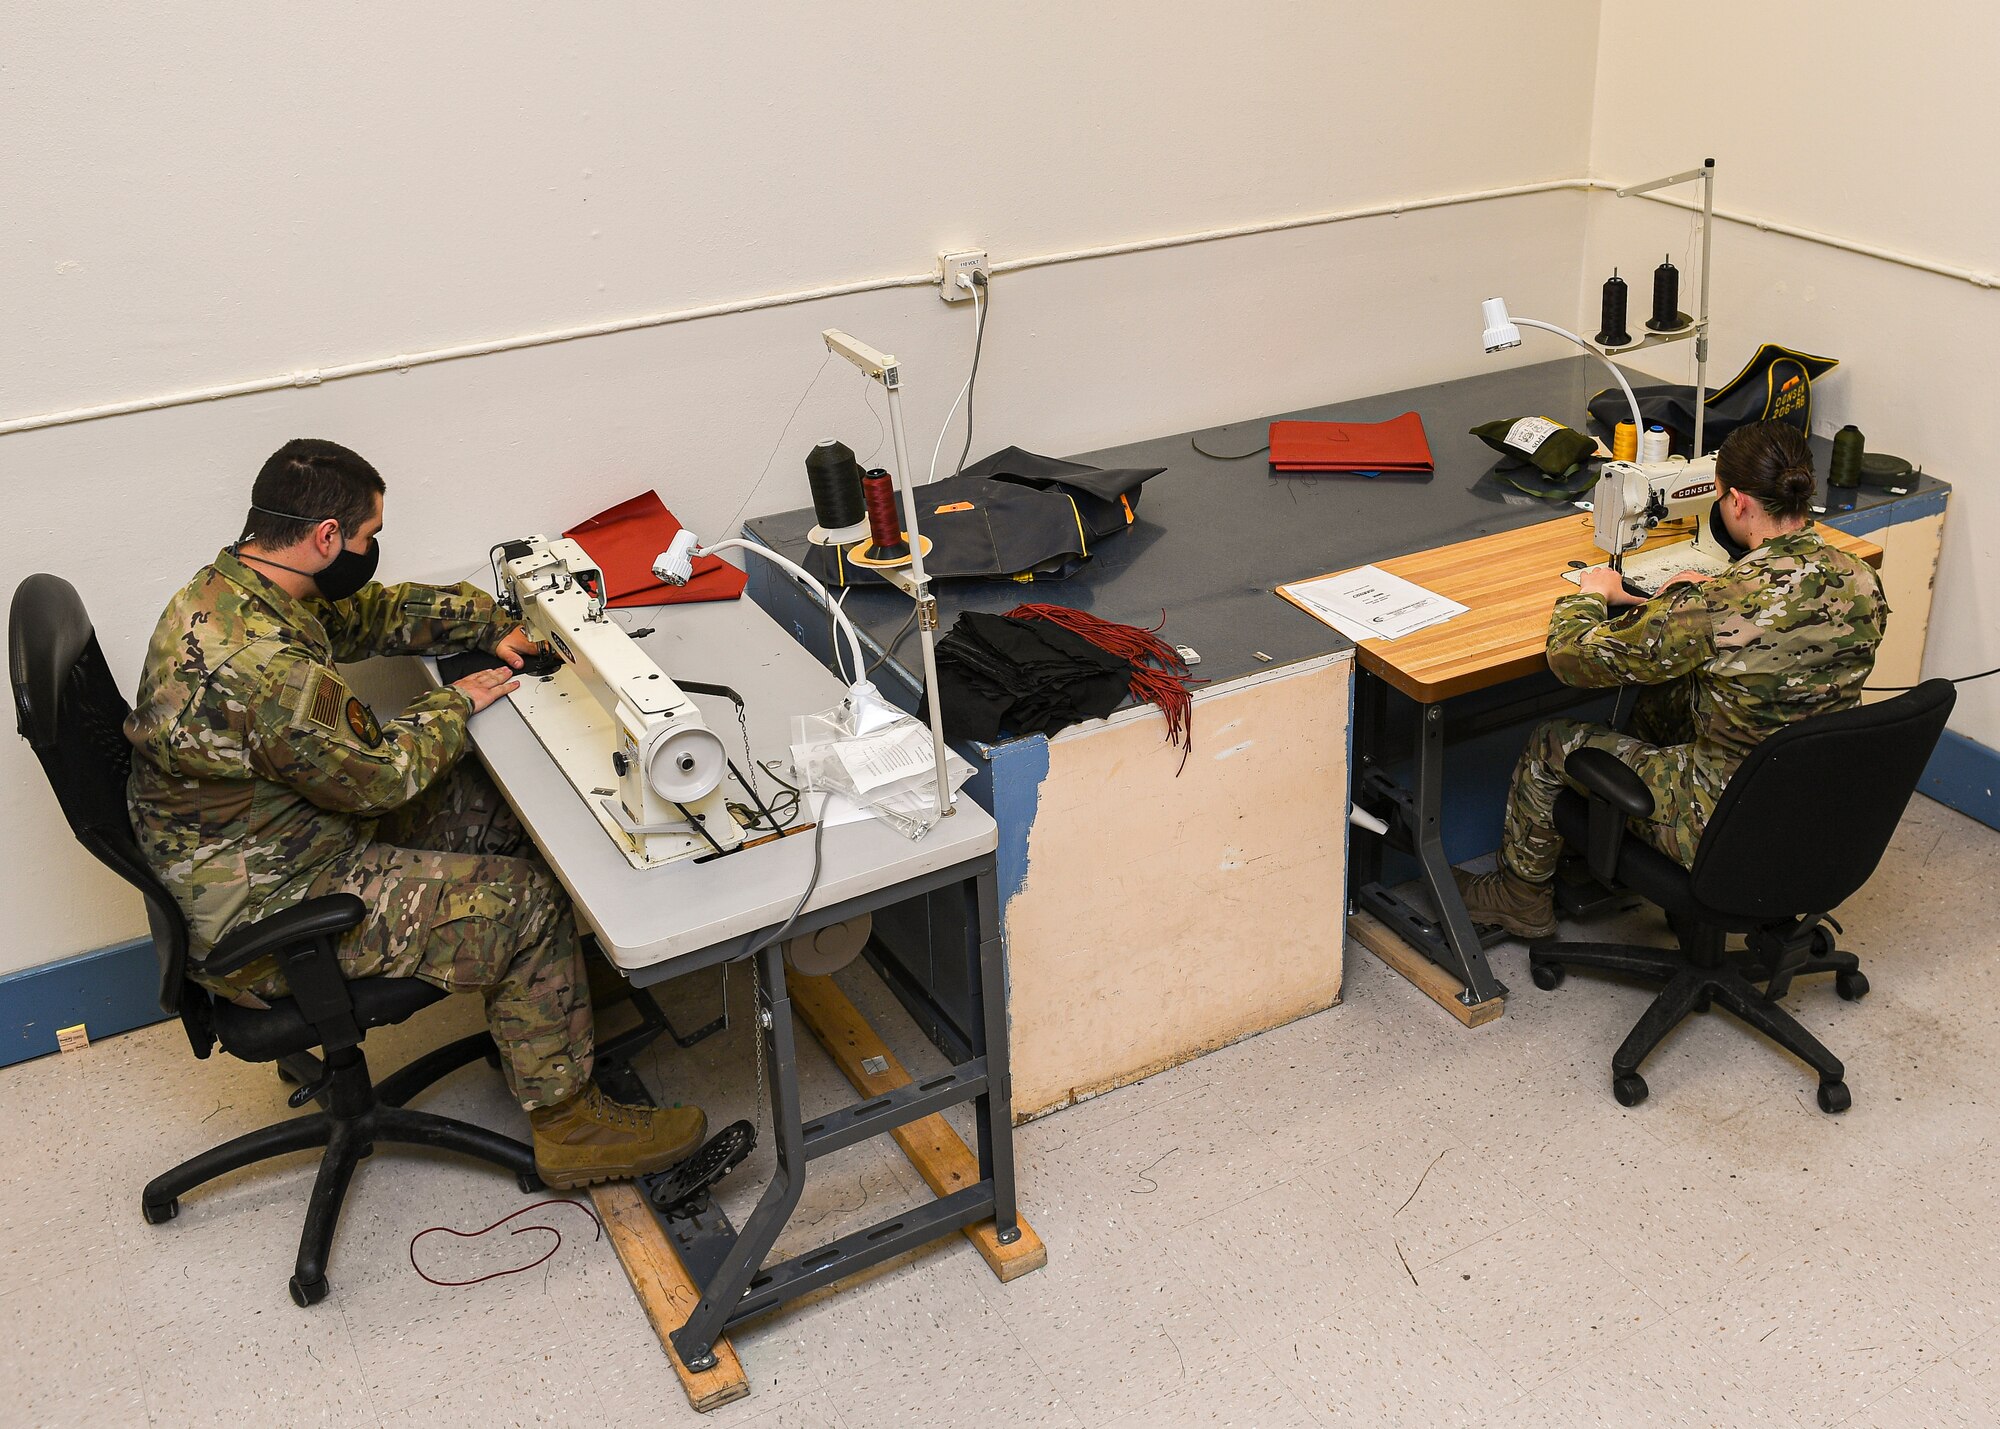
(939, 1153)
(666, 1290)
(669, 1294)
(1433, 981)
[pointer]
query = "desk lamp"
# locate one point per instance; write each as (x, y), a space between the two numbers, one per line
(1503, 332)
(676, 564)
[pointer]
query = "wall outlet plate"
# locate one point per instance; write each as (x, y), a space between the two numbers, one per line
(950, 265)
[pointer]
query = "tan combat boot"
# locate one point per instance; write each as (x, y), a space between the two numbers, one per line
(591, 1138)
(1527, 910)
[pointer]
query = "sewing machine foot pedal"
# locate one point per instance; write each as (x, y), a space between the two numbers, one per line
(678, 1186)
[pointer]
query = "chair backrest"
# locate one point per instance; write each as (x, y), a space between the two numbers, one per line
(69, 709)
(1809, 814)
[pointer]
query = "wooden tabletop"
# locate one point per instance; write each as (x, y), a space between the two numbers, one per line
(1508, 582)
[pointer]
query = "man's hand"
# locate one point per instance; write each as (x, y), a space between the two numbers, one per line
(1688, 578)
(1608, 585)
(483, 687)
(516, 647)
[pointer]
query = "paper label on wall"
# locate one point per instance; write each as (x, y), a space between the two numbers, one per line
(1529, 433)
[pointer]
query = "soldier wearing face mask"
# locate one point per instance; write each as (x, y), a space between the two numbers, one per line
(262, 780)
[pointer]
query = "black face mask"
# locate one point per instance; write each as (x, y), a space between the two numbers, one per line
(341, 577)
(348, 571)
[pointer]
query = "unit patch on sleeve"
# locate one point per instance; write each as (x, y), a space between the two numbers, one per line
(361, 720)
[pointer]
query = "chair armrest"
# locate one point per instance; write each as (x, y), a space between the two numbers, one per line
(302, 938)
(324, 917)
(1605, 776)
(1616, 794)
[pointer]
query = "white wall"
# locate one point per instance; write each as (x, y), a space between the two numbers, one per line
(1856, 120)
(227, 194)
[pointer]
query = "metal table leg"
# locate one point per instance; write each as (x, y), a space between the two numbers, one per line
(995, 1109)
(1416, 825)
(694, 1341)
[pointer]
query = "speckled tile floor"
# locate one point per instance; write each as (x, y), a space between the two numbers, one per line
(1370, 1217)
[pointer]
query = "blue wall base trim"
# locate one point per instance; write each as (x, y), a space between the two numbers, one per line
(111, 990)
(1965, 775)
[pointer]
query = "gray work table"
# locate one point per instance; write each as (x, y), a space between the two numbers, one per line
(1214, 537)
(662, 922)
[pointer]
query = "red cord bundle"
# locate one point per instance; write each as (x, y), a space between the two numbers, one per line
(1159, 675)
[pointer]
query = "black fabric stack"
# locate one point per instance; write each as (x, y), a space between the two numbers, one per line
(999, 676)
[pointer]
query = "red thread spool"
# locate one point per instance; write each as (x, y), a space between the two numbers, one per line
(878, 490)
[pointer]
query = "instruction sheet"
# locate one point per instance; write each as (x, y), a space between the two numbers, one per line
(1368, 603)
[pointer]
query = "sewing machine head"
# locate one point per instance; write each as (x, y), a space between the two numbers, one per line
(1632, 498)
(643, 733)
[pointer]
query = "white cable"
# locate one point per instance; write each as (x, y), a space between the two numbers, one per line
(860, 663)
(978, 331)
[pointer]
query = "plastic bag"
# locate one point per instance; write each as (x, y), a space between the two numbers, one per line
(885, 764)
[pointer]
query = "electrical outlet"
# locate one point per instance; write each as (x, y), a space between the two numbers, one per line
(950, 265)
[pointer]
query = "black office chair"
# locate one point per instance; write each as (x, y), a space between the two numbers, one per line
(70, 710)
(1798, 830)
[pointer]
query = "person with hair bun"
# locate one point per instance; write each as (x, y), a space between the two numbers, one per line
(1788, 630)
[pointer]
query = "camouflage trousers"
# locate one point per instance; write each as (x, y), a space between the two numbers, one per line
(1658, 750)
(458, 897)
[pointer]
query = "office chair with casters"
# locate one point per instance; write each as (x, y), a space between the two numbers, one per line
(69, 709)
(1798, 830)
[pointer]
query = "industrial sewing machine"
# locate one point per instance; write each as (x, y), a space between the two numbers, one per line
(1632, 499)
(626, 736)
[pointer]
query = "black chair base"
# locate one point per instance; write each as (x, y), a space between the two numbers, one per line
(1694, 983)
(355, 1114)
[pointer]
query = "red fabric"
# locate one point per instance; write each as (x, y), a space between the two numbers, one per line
(1159, 675)
(624, 540)
(1398, 445)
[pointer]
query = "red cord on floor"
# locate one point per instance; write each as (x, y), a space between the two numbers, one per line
(1159, 675)
(473, 1235)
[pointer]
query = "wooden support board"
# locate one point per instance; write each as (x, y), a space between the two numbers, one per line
(939, 1153)
(1433, 981)
(666, 1290)
(669, 1294)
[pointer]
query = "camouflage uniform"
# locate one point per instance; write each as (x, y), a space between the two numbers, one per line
(262, 781)
(1788, 631)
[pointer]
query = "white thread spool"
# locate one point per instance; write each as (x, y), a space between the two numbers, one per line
(1653, 444)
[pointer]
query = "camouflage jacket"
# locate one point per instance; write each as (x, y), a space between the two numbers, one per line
(256, 765)
(1787, 631)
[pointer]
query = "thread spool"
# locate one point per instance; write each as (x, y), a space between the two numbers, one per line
(1666, 297)
(1624, 442)
(835, 479)
(1612, 332)
(885, 532)
(1848, 448)
(1654, 445)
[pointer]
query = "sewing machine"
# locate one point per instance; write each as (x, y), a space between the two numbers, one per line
(626, 736)
(1631, 499)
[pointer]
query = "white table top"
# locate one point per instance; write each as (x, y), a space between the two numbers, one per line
(643, 917)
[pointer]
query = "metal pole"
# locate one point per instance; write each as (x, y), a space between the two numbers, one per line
(1701, 329)
(920, 588)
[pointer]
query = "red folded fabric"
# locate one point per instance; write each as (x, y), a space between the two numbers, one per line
(624, 540)
(1398, 445)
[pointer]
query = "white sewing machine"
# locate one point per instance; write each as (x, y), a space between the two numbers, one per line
(629, 739)
(1631, 499)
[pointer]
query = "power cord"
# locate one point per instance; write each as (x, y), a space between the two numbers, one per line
(1227, 456)
(976, 282)
(1905, 689)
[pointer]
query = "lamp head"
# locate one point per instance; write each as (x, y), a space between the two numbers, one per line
(1500, 330)
(675, 565)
